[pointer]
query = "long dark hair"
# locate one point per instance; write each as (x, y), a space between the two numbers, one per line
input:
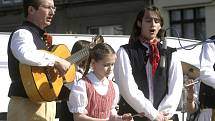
(136, 31)
(99, 52)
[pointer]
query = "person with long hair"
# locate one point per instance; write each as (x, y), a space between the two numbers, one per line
(145, 86)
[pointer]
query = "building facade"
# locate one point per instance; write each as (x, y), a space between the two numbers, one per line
(193, 19)
(80, 16)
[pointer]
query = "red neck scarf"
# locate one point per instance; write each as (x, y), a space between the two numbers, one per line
(154, 55)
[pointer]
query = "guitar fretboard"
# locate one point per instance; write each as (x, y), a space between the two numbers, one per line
(75, 57)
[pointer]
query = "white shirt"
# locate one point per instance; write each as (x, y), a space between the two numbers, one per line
(205, 114)
(207, 74)
(207, 60)
(78, 100)
(135, 97)
(24, 49)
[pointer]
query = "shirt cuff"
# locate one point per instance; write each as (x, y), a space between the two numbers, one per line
(78, 110)
(153, 115)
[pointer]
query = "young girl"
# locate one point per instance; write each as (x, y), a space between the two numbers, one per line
(94, 97)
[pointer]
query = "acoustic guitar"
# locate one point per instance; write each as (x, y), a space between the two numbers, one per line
(44, 83)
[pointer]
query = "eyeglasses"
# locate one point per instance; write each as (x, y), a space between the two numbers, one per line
(53, 8)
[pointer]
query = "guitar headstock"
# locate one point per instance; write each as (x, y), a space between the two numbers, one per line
(96, 40)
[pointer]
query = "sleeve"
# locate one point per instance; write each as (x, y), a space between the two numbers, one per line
(114, 116)
(207, 60)
(78, 98)
(116, 100)
(24, 49)
(129, 89)
(175, 85)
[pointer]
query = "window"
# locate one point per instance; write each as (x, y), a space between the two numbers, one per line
(17, 1)
(6, 1)
(188, 23)
(11, 1)
(106, 30)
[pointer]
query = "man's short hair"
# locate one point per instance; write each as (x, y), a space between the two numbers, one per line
(33, 3)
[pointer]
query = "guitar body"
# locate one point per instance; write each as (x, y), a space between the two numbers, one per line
(44, 83)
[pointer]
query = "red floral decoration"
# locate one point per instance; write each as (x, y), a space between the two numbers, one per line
(48, 40)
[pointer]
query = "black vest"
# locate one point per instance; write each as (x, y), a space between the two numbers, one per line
(207, 93)
(138, 59)
(16, 87)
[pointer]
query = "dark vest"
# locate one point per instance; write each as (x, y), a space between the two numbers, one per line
(138, 59)
(207, 93)
(16, 87)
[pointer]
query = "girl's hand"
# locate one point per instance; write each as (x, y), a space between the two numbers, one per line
(161, 117)
(127, 117)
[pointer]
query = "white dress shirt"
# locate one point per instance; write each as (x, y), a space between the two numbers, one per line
(135, 97)
(207, 60)
(207, 74)
(24, 49)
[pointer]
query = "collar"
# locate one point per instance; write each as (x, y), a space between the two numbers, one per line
(34, 27)
(94, 80)
(146, 44)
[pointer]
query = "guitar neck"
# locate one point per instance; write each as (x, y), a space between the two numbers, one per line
(78, 56)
